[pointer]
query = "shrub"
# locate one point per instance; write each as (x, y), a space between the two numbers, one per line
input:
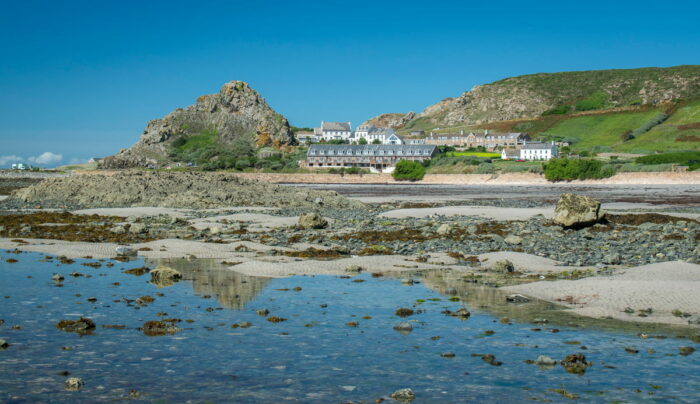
(560, 110)
(646, 127)
(362, 141)
(597, 100)
(486, 168)
(561, 169)
(683, 158)
(407, 170)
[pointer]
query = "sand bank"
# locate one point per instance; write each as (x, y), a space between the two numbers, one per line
(663, 287)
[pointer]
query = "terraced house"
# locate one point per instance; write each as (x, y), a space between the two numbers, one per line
(376, 157)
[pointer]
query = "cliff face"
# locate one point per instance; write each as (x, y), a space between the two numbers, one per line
(237, 111)
(390, 120)
(531, 95)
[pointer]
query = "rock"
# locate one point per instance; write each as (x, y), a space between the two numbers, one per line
(686, 350)
(451, 291)
(126, 252)
(504, 266)
(577, 211)
(312, 221)
(3, 344)
(73, 384)
(262, 312)
(444, 229)
(81, 326)
(403, 327)
(353, 269)
(159, 328)
(544, 360)
(403, 395)
(448, 355)
(613, 259)
(491, 360)
(118, 229)
(404, 312)
(575, 363)
(407, 281)
(514, 240)
(137, 228)
(163, 276)
(517, 298)
(57, 278)
(215, 230)
(236, 113)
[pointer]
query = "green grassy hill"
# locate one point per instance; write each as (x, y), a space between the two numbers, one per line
(604, 110)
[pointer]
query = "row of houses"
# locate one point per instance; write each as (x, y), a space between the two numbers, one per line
(342, 131)
(376, 157)
(330, 131)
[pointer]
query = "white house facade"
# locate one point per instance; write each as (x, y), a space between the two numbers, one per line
(538, 151)
(334, 131)
(373, 134)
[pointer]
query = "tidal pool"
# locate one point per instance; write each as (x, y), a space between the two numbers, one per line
(315, 355)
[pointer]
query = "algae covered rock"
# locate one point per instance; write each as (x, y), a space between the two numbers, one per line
(403, 395)
(81, 326)
(73, 384)
(577, 211)
(163, 276)
(312, 221)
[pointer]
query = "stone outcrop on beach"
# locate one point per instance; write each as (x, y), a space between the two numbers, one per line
(236, 112)
(312, 221)
(193, 190)
(577, 211)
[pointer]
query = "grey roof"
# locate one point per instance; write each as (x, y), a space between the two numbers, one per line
(335, 126)
(370, 149)
(537, 146)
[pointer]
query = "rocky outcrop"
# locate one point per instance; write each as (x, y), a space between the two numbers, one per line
(529, 96)
(237, 111)
(393, 120)
(577, 211)
(193, 190)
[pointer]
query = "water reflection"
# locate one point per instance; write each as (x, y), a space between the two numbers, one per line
(210, 277)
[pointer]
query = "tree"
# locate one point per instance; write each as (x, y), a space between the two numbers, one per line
(362, 141)
(407, 170)
(376, 141)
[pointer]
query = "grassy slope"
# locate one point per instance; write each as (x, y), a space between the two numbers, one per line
(666, 136)
(600, 130)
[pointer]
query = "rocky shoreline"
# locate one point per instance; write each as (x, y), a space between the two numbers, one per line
(306, 227)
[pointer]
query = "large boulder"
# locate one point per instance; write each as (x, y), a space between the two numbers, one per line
(577, 211)
(312, 221)
(163, 276)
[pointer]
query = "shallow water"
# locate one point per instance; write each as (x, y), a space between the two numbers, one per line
(313, 356)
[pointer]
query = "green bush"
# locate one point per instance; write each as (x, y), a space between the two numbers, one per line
(561, 169)
(486, 168)
(643, 168)
(597, 100)
(407, 170)
(560, 110)
(682, 158)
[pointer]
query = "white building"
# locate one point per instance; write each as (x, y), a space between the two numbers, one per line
(307, 137)
(334, 131)
(373, 134)
(19, 166)
(538, 151)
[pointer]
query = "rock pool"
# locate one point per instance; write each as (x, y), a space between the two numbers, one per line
(337, 343)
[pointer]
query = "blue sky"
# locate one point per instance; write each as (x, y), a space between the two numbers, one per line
(82, 78)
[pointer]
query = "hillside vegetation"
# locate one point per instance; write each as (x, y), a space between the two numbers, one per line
(605, 110)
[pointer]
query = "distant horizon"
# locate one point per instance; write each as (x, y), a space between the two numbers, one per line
(82, 80)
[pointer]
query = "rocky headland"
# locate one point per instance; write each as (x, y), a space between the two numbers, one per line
(236, 113)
